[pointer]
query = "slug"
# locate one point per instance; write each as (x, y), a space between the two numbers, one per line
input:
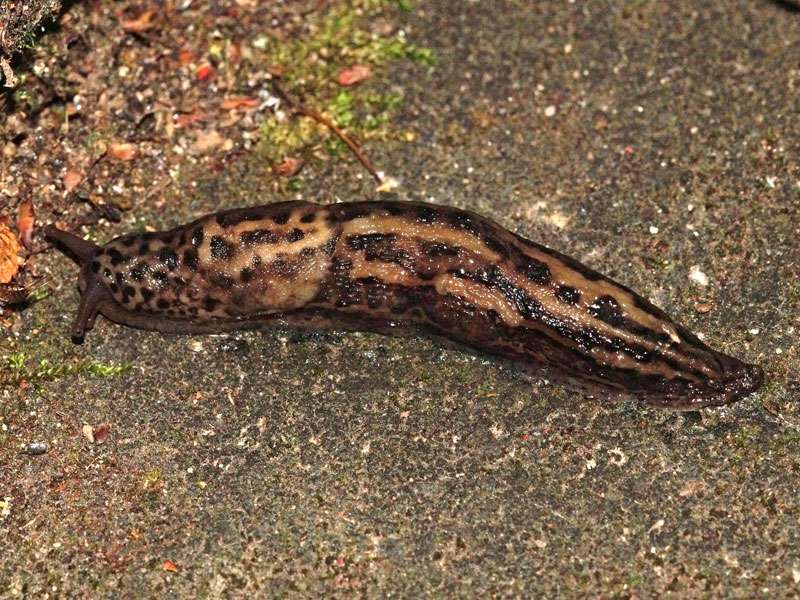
(400, 268)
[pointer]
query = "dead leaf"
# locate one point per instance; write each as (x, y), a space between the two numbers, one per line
(122, 151)
(205, 72)
(207, 141)
(101, 433)
(289, 167)
(276, 70)
(232, 103)
(353, 75)
(189, 118)
(10, 261)
(71, 180)
(25, 220)
(170, 566)
(703, 306)
(141, 23)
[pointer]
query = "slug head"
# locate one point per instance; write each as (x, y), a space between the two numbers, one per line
(93, 292)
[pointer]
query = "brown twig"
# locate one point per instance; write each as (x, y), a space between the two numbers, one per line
(301, 109)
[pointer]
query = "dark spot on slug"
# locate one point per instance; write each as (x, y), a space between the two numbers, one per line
(329, 246)
(606, 308)
(259, 236)
(341, 266)
(138, 271)
(369, 240)
(246, 274)
(308, 218)
(190, 259)
(494, 244)
(281, 217)
(115, 256)
(371, 280)
(464, 221)
(95, 266)
(107, 273)
(220, 249)
(162, 303)
(118, 278)
(168, 258)
(436, 249)
(295, 235)
(308, 252)
(144, 248)
(284, 267)
(400, 257)
(210, 303)
(348, 212)
(114, 287)
(393, 209)
(221, 280)
(568, 294)
(537, 271)
(197, 237)
(425, 214)
(147, 294)
(129, 291)
(160, 276)
(234, 217)
(128, 241)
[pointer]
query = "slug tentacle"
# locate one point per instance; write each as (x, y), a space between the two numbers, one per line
(80, 249)
(400, 267)
(93, 293)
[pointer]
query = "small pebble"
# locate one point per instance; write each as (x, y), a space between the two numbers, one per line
(696, 275)
(550, 111)
(35, 448)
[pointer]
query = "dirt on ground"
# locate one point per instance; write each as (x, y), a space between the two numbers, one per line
(655, 142)
(21, 24)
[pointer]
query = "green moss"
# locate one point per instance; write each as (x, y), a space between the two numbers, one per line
(338, 38)
(745, 437)
(18, 367)
(151, 479)
(634, 580)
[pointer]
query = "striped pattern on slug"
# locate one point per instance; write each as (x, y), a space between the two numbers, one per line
(400, 267)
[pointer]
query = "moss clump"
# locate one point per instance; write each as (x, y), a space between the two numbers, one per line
(18, 367)
(338, 38)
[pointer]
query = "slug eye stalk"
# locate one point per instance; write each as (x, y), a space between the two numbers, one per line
(92, 292)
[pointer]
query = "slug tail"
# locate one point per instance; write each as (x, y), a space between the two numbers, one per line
(79, 248)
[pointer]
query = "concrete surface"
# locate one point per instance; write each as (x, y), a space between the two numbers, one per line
(643, 140)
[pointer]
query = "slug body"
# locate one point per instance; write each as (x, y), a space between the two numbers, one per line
(400, 268)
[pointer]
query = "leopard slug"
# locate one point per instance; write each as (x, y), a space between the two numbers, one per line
(399, 268)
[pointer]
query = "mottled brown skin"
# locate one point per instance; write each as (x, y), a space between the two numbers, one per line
(400, 268)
